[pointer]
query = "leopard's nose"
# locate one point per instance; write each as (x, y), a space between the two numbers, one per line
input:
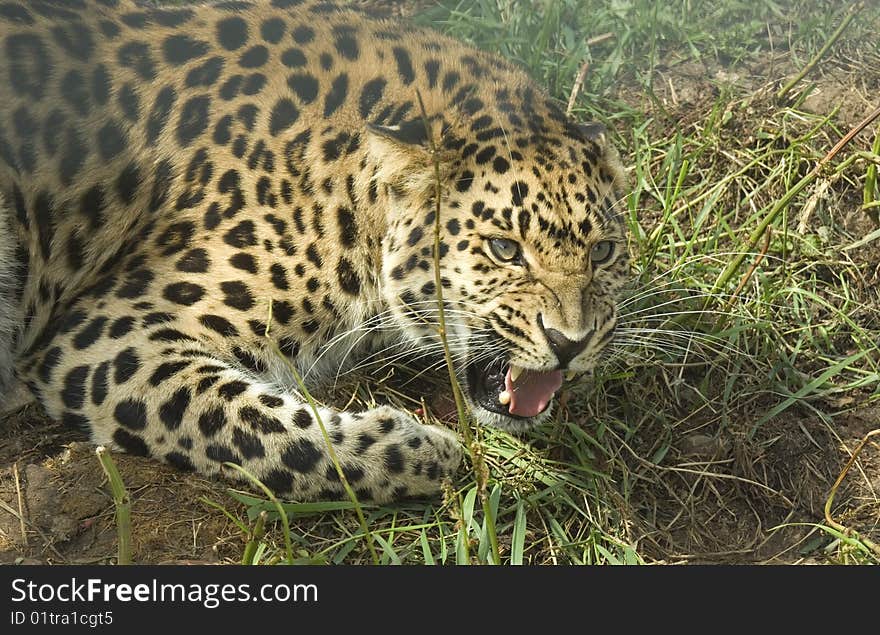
(564, 348)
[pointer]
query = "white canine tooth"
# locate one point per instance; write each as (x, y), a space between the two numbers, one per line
(515, 372)
(570, 375)
(504, 398)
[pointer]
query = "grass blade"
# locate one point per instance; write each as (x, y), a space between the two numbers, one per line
(518, 538)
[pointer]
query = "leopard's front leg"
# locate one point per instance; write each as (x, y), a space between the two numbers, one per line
(158, 392)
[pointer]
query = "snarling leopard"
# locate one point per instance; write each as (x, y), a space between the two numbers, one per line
(198, 201)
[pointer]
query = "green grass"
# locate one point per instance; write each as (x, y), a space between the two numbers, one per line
(714, 430)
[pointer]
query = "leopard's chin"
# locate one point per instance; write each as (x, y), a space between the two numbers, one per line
(507, 422)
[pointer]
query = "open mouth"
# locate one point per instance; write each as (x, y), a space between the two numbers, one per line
(512, 391)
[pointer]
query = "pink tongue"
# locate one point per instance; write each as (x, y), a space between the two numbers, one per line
(532, 391)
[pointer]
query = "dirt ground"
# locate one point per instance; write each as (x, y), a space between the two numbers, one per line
(774, 493)
(55, 506)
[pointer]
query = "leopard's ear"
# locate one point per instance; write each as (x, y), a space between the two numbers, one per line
(403, 155)
(593, 131)
(410, 134)
(608, 155)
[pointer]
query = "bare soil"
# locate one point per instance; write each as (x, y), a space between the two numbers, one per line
(55, 506)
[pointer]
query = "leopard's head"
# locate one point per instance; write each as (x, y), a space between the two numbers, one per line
(532, 250)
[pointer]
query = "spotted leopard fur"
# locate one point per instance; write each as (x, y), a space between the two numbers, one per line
(186, 191)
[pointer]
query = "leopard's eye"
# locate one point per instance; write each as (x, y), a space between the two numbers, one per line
(505, 250)
(602, 252)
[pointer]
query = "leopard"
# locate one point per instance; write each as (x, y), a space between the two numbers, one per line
(210, 210)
